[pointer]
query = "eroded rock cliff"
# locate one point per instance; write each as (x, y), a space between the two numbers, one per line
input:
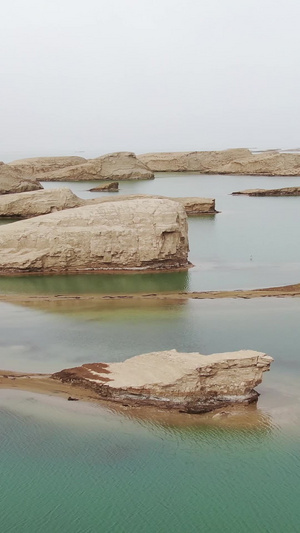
(128, 235)
(188, 382)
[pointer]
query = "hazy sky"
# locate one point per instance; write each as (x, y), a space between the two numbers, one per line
(149, 75)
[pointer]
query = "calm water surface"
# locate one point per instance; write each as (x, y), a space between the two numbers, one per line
(83, 468)
(252, 243)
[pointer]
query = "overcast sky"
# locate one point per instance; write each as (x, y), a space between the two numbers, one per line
(149, 75)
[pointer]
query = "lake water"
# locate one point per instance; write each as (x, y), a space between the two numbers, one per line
(82, 468)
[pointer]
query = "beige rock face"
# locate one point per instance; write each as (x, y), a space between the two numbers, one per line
(40, 165)
(117, 166)
(265, 164)
(192, 205)
(107, 187)
(11, 181)
(237, 161)
(32, 204)
(204, 162)
(128, 235)
(285, 191)
(188, 382)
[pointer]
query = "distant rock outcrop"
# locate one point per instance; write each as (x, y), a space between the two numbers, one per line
(139, 234)
(40, 165)
(235, 161)
(285, 191)
(113, 167)
(11, 181)
(204, 162)
(188, 382)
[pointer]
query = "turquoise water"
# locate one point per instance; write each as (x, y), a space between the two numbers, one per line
(252, 243)
(83, 468)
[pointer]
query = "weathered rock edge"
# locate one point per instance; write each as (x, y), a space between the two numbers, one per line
(129, 235)
(284, 191)
(186, 382)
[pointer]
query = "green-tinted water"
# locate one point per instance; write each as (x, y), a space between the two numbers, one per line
(82, 468)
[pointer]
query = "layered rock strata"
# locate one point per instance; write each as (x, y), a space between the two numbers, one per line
(129, 235)
(285, 191)
(236, 161)
(188, 382)
(11, 181)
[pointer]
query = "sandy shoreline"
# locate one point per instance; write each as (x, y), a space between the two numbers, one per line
(285, 291)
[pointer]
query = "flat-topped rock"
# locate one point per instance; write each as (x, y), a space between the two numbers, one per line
(193, 205)
(11, 181)
(32, 204)
(40, 165)
(130, 235)
(106, 187)
(285, 191)
(113, 167)
(189, 382)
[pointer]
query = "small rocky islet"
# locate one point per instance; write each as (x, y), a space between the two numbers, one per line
(64, 233)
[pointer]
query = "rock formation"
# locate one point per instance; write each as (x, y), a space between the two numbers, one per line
(106, 187)
(32, 204)
(40, 165)
(192, 205)
(189, 382)
(204, 162)
(285, 191)
(117, 166)
(236, 161)
(11, 181)
(129, 235)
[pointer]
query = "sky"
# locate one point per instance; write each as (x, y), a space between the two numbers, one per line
(148, 75)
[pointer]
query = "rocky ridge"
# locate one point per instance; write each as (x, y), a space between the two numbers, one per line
(233, 161)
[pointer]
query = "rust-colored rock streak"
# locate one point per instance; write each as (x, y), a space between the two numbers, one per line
(188, 382)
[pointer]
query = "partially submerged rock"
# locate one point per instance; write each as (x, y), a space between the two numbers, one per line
(106, 187)
(11, 181)
(130, 235)
(40, 165)
(188, 382)
(32, 204)
(116, 166)
(285, 191)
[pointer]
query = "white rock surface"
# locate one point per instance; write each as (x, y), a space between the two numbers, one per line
(128, 235)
